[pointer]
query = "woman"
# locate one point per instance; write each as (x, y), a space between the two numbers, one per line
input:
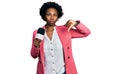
(55, 51)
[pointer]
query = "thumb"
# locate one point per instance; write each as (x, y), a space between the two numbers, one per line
(70, 27)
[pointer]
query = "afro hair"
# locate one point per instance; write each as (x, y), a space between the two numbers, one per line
(48, 5)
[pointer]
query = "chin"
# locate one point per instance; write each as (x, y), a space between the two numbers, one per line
(52, 24)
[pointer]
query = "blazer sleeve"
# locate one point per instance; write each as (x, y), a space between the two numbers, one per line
(34, 50)
(80, 31)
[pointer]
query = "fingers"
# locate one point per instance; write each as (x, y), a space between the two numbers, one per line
(70, 24)
(37, 42)
(70, 27)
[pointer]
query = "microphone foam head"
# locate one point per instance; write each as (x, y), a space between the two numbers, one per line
(41, 31)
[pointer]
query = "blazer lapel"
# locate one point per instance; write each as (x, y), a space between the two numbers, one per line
(61, 30)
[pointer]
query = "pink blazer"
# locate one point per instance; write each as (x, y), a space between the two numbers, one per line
(65, 37)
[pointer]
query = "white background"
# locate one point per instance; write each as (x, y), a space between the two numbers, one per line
(99, 53)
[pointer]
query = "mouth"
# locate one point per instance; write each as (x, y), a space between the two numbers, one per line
(52, 22)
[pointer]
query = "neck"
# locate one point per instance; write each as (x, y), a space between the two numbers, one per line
(50, 27)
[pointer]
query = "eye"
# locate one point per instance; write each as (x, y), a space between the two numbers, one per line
(56, 14)
(48, 14)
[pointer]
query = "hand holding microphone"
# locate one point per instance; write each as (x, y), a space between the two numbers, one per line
(39, 36)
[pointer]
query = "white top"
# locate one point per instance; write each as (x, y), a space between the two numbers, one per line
(54, 59)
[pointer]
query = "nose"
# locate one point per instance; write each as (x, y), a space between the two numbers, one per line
(52, 18)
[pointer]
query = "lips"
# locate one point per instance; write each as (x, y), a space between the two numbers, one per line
(52, 22)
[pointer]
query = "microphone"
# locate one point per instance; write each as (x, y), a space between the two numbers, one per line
(40, 34)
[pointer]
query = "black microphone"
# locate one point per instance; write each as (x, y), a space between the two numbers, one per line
(40, 33)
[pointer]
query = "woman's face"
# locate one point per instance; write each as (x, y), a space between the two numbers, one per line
(51, 16)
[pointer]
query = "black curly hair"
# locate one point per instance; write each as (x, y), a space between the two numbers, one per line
(47, 5)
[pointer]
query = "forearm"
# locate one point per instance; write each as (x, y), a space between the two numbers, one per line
(34, 50)
(80, 31)
(83, 29)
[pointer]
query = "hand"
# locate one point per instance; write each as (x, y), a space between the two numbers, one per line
(37, 42)
(70, 24)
